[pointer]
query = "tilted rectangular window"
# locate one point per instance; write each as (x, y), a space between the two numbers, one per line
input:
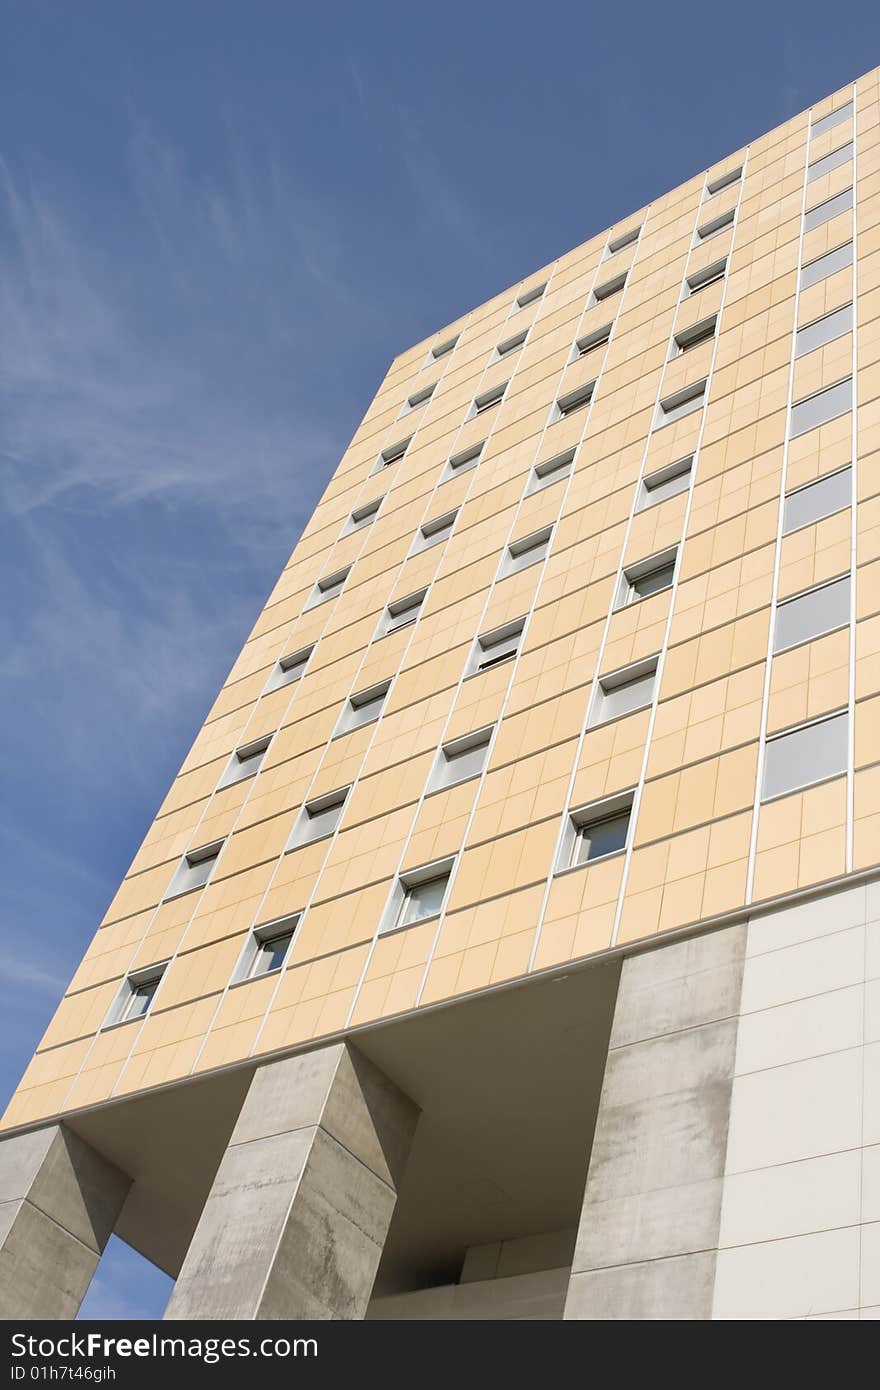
(843, 113)
(318, 818)
(420, 900)
(401, 612)
(487, 399)
(461, 462)
(597, 832)
(715, 185)
(419, 398)
(826, 265)
(817, 409)
(621, 692)
(492, 648)
(624, 239)
(824, 330)
(135, 995)
(363, 516)
(608, 288)
(267, 948)
(363, 707)
(573, 401)
(443, 348)
(843, 155)
(650, 576)
(715, 225)
(460, 760)
(817, 500)
(329, 587)
(510, 345)
(811, 614)
(434, 532)
(681, 403)
(800, 757)
(194, 869)
(709, 275)
(665, 482)
(393, 454)
(551, 471)
(832, 207)
(530, 296)
(289, 669)
(528, 551)
(702, 332)
(245, 762)
(590, 341)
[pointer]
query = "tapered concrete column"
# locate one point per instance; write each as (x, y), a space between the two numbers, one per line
(59, 1201)
(648, 1236)
(297, 1217)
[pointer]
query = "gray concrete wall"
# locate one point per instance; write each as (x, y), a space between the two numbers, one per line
(296, 1220)
(648, 1234)
(59, 1201)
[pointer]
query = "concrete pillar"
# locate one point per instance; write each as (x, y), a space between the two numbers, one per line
(297, 1217)
(648, 1236)
(59, 1201)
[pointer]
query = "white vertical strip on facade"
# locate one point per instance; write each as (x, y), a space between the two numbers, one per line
(854, 509)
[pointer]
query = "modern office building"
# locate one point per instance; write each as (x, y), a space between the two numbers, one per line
(508, 945)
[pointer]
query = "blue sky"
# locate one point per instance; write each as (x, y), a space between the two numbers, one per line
(219, 223)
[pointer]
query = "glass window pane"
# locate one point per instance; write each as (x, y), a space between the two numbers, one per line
(683, 403)
(832, 207)
(463, 763)
(270, 954)
(843, 155)
(666, 482)
(654, 581)
(141, 998)
(826, 265)
(823, 498)
(824, 330)
(825, 405)
(491, 650)
(621, 699)
(601, 837)
(808, 615)
(806, 755)
(843, 113)
(424, 899)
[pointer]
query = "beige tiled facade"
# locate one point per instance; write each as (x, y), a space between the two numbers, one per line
(703, 841)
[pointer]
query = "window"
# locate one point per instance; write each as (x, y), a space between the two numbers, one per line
(135, 995)
(510, 345)
(419, 398)
(715, 185)
(492, 648)
(551, 471)
(401, 613)
(528, 551)
(418, 896)
(701, 332)
(573, 401)
(832, 207)
(596, 831)
(681, 403)
(267, 949)
(590, 341)
(460, 463)
(648, 577)
(843, 113)
(826, 265)
(393, 454)
(665, 482)
(624, 691)
(624, 239)
(609, 288)
(442, 349)
(434, 532)
(318, 819)
(194, 869)
(487, 400)
(824, 330)
(716, 225)
(330, 586)
(289, 669)
(460, 760)
(809, 615)
(824, 405)
(530, 296)
(245, 762)
(363, 516)
(363, 707)
(843, 155)
(811, 753)
(709, 275)
(817, 500)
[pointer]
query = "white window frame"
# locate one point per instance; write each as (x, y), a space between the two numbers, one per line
(622, 240)
(551, 471)
(393, 919)
(686, 339)
(237, 769)
(442, 349)
(487, 400)
(397, 608)
(363, 516)
(122, 1008)
(463, 461)
(480, 661)
(527, 297)
(715, 226)
(181, 881)
(391, 454)
(589, 342)
(442, 775)
(653, 564)
(264, 935)
(434, 532)
(607, 685)
(517, 550)
(681, 403)
(572, 401)
(508, 346)
(650, 494)
(418, 398)
(348, 720)
(594, 814)
(722, 181)
(280, 675)
(702, 279)
(608, 289)
(299, 835)
(328, 588)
